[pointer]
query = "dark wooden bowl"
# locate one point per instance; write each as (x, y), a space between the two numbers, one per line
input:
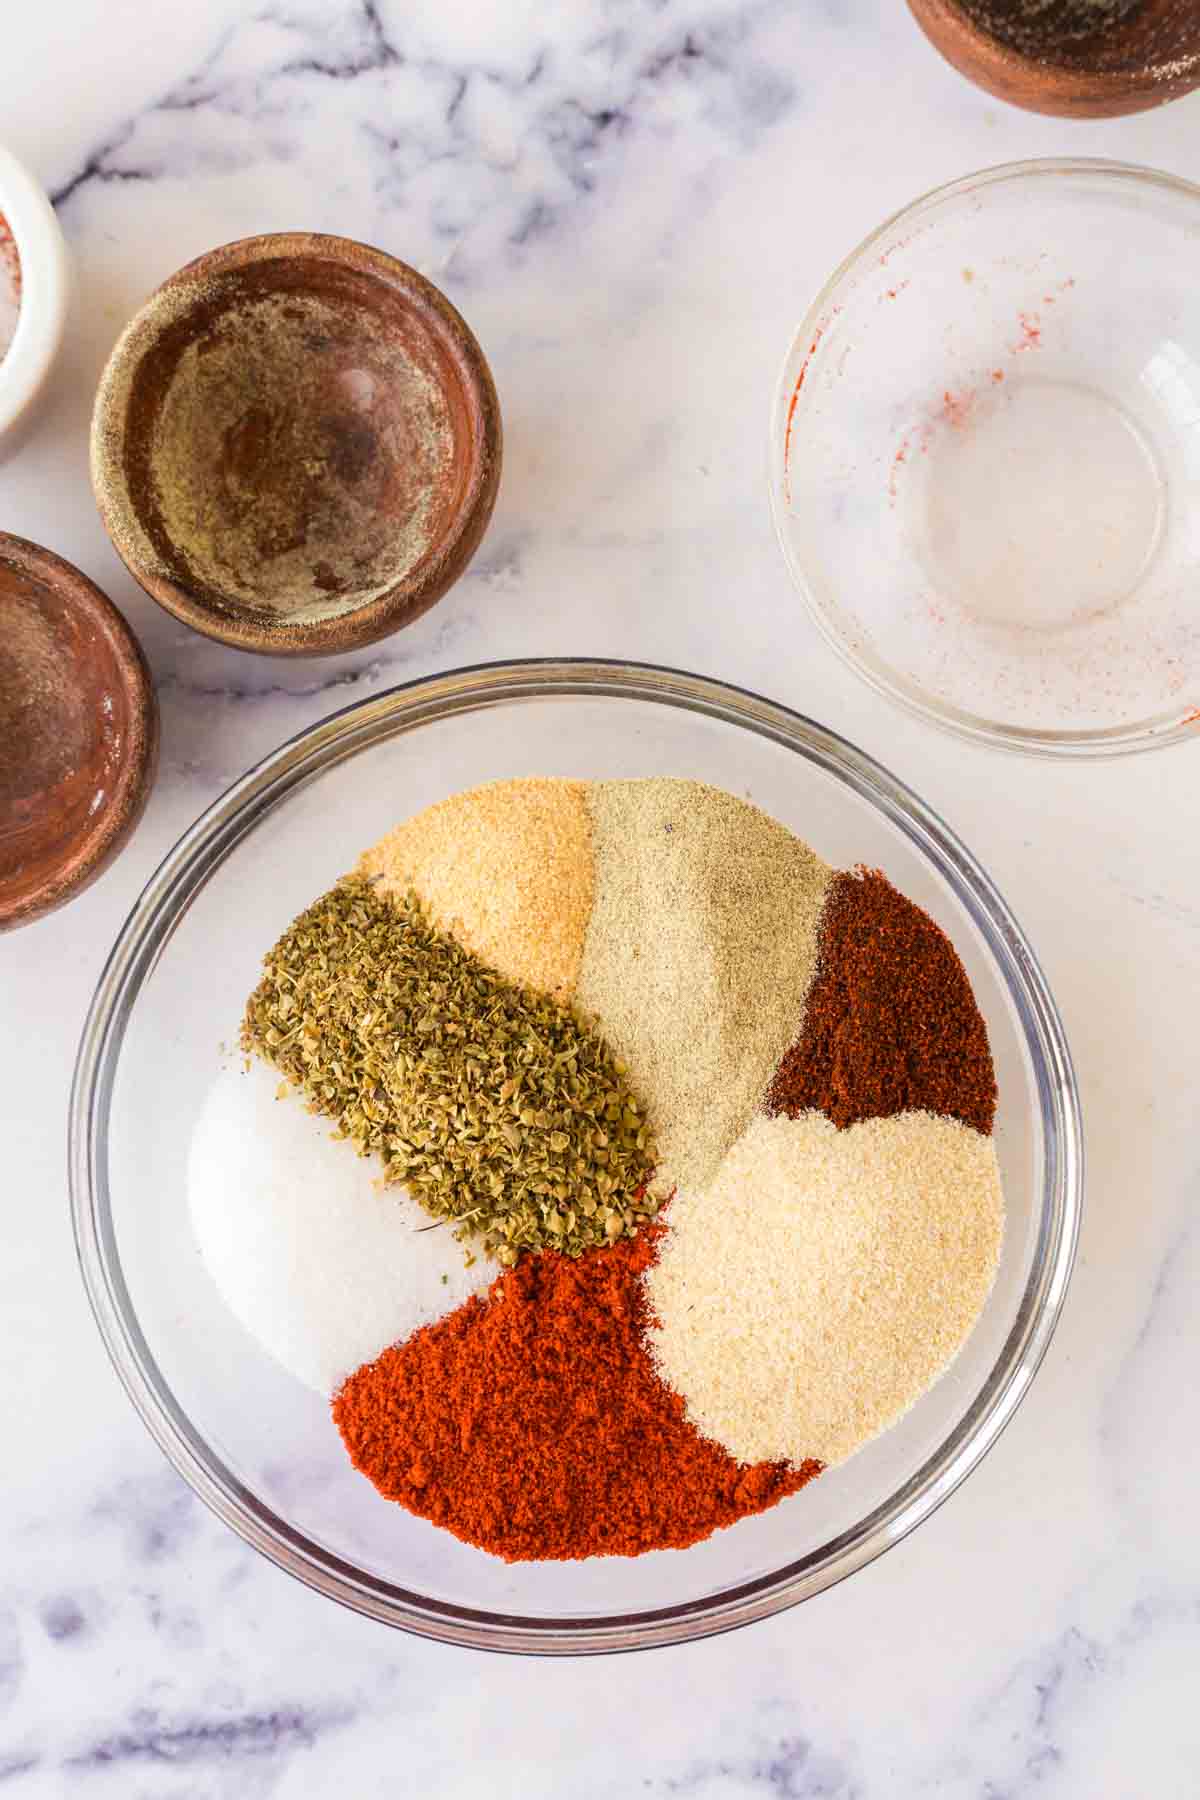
(1053, 60)
(296, 444)
(78, 730)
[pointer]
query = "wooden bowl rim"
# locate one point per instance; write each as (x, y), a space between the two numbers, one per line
(406, 599)
(86, 854)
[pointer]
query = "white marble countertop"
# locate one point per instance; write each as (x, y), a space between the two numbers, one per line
(632, 203)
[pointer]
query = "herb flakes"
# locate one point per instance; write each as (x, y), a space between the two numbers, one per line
(496, 1107)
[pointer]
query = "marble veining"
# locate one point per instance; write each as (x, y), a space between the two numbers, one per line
(149, 1739)
(632, 201)
(426, 110)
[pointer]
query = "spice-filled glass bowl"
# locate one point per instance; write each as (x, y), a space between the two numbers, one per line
(984, 465)
(259, 1448)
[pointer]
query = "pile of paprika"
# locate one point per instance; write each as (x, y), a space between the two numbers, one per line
(531, 1423)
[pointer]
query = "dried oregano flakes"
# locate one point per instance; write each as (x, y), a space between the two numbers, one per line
(498, 1108)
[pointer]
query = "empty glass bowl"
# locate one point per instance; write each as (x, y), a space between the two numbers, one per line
(986, 457)
(260, 1449)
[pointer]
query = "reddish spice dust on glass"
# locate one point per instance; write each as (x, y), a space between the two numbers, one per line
(891, 1023)
(531, 1423)
(10, 261)
(10, 286)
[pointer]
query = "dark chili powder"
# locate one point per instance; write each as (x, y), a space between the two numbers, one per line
(891, 1023)
(530, 1421)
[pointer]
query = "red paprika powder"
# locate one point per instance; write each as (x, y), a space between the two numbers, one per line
(531, 1423)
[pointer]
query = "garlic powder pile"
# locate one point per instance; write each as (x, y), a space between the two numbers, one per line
(812, 1292)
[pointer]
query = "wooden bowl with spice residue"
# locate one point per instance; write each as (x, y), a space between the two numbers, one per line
(79, 729)
(296, 444)
(1084, 59)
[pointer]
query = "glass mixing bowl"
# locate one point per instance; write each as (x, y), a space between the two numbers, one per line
(985, 462)
(259, 1448)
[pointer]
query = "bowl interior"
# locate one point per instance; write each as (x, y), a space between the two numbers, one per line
(984, 463)
(75, 715)
(260, 1447)
(292, 435)
(10, 284)
(34, 289)
(1118, 37)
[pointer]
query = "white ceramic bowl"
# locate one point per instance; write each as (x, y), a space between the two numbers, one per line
(45, 287)
(261, 1449)
(985, 453)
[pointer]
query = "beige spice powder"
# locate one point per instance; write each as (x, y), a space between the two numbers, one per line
(810, 1295)
(699, 954)
(506, 869)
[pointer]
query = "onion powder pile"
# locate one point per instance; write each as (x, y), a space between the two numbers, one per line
(506, 869)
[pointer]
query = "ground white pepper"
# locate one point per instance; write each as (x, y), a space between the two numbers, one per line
(807, 1297)
(699, 953)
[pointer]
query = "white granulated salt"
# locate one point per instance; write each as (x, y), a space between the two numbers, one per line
(320, 1265)
(824, 1279)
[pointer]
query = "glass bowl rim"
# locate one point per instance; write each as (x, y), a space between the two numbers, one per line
(200, 853)
(1120, 740)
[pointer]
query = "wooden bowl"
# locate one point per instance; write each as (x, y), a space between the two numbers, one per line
(296, 444)
(1056, 60)
(79, 729)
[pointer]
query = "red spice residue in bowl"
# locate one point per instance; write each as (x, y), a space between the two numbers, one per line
(10, 285)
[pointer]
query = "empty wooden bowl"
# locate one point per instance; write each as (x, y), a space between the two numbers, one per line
(1085, 59)
(296, 444)
(78, 728)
